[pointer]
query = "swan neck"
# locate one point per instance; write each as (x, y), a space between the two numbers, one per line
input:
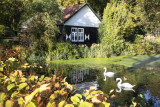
(105, 69)
(104, 78)
(120, 82)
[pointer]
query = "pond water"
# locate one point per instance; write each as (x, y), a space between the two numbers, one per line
(146, 81)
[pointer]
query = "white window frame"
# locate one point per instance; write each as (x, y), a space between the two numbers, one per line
(75, 35)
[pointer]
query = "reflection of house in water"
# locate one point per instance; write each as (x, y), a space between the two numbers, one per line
(83, 80)
(78, 76)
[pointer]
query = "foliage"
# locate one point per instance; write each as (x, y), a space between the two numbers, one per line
(64, 51)
(42, 29)
(67, 3)
(19, 89)
(11, 11)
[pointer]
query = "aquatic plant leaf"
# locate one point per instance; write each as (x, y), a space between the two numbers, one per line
(9, 87)
(85, 104)
(22, 85)
(104, 104)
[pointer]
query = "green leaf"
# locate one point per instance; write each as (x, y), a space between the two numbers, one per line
(140, 95)
(86, 104)
(41, 78)
(32, 104)
(2, 97)
(69, 105)
(75, 99)
(22, 85)
(8, 103)
(9, 87)
(104, 104)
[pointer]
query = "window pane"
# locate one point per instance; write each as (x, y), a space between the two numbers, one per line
(72, 36)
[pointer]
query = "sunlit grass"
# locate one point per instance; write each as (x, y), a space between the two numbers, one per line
(128, 61)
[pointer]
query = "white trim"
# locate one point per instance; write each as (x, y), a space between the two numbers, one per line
(84, 17)
(87, 37)
(68, 36)
(77, 36)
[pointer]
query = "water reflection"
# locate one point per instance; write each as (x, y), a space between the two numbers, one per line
(152, 101)
(82, 80)
(124, 86)
(78, 76)
(144, 78)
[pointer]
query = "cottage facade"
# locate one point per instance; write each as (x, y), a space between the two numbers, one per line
(81, 24)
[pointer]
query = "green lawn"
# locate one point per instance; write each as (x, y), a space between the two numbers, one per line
(128, 61)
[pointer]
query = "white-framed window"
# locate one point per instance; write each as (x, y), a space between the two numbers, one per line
(77, 34)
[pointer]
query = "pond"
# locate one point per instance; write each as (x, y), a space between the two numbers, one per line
(146, 81)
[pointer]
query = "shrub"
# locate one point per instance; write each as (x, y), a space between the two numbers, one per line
(18, 89)
(64, 51)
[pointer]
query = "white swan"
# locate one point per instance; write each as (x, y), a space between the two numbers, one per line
(124, 86)
(108, 74)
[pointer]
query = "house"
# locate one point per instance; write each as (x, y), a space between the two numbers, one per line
(81, 24)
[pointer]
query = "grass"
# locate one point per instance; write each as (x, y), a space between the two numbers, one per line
(128, 61)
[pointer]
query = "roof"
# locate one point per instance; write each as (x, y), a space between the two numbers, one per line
(72, 10)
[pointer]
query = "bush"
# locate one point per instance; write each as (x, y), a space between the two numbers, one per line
(19, 89)
(64, 51)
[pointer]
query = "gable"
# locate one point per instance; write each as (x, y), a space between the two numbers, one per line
(84, 17)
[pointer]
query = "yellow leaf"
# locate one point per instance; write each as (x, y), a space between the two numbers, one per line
(111, 91)
(57, 85)
(51, 104)
(62, 103)
(44, 87)
(69, 105)
(85, 104)
(104, 104)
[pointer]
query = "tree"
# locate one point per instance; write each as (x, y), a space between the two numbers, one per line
(121, 22)
(41, 19)
(11, 11)
(67, 3)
